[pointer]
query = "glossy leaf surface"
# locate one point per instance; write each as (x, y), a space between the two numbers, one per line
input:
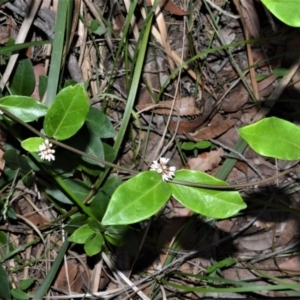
(25, 108)
(208, 202)
(137, 199)
(93, 244)
(99, 123)
(23, 81)
(32, 144)
(287, 11)
(273, 137)
(67, 113)
(81, 234)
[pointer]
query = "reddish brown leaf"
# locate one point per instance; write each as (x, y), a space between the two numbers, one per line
(214, 129)
(206, 161)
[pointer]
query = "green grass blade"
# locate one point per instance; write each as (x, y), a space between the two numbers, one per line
(8, 49)
(135, 84)
(228, 164)
(57, 51)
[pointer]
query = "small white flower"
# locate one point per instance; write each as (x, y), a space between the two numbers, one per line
(162, 167)
(1, 112)
(46, 153)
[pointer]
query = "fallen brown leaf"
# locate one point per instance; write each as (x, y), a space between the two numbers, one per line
(170, 7)
(214, 129)
(206, 161)
(182, 107)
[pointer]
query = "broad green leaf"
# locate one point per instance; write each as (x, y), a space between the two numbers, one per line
(16, 161)
(79, 188)
(96, 225)
(109, 152)
(99, 204)
(95, 148)
(273, 137)
(5, 289)
(25, 284)
(67, 113)
(287, 11)
(137, 199)
(113, 241)
(80, 235)
(93, 244)
(32, 144)
(19, 295)
(25, 108)
(43, 82)
(211, 203)
(23, 81)
(101, 199)
(99, 123)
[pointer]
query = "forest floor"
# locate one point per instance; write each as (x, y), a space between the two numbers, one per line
(188, 113)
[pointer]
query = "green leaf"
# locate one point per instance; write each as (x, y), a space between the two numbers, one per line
(280, 72)
(78, 187)
(100, 31)
(23, 81)
(273, 137)
(5, 289)
(221, 264)
(188, 146)
(16, 161)
(211, 203)
(287, 11)
(260, 77)
(19, 295)
(99, 123)
(32, 144)
(93, 244)
(95, 148)
(137, 199)
(81, 234)
(67, 113)
(109, 152)
(43, 82)
(25, 108)
(25, 284)
(203, 144)
(94, 25)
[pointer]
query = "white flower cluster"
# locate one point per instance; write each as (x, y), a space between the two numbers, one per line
(161, 167)
(46, 153)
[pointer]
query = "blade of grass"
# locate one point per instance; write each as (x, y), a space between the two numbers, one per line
(8, 49)
(228, 164)
(250, 288)
(57, 51)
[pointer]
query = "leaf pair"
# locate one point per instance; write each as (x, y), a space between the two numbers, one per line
(146, 193)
